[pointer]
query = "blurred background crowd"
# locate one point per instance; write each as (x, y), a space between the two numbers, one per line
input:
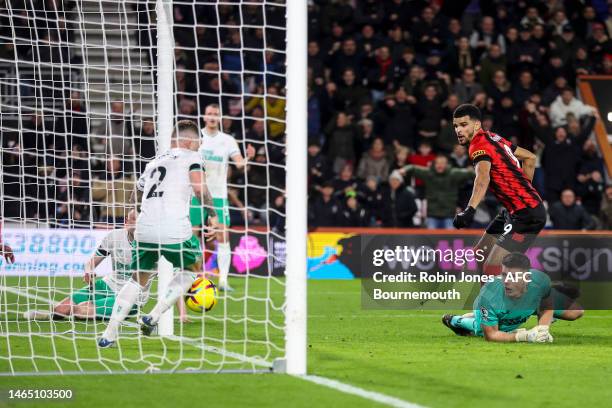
(384, 77)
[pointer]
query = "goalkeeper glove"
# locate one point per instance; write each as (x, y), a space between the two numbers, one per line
(538, 334)
(464, 218)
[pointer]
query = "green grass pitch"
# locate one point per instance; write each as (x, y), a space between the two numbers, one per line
(404, 354)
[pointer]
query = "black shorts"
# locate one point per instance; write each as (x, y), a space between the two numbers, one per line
(516, 232)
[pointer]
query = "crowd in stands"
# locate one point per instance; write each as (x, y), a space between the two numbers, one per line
(67, 166)
(385, 76)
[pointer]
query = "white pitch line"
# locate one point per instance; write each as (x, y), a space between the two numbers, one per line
(360, 392)
(26, 294)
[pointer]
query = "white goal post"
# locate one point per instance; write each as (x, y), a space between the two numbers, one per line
(71, 74)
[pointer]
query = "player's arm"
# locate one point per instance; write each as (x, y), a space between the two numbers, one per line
(481, 184)
(528, 159)
(547, 308)
(91, 265)
(414, 170)
(239, 161)
(492, 333)
(136, 196)
(197, 177)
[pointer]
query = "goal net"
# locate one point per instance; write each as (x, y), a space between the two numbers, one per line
(90, 92)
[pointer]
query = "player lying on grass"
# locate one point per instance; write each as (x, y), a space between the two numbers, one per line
(163, 228)
(96, 300)
(217, 150)
(497, 163)
(503, 305)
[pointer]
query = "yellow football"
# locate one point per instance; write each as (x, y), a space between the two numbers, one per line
(202, 296)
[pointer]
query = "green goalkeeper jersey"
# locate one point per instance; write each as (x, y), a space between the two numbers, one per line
(493, 308)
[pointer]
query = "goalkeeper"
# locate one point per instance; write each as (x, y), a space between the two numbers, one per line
(503, 305)
(96, 300)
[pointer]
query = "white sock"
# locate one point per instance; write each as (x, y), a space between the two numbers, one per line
(176, 288)
(224, 258)
(126, 298)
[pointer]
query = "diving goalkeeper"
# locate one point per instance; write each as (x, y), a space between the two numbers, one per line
(503, 305)
(96, 299)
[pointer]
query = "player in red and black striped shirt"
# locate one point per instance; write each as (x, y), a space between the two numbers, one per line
(497, 163)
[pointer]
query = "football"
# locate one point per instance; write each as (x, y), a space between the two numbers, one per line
(201, 296)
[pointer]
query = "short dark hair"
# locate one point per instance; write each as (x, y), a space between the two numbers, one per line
(183, 125)
(516, 260)
(467, 109)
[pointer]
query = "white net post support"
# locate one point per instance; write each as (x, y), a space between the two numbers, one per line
(296, 231)
(165, 118)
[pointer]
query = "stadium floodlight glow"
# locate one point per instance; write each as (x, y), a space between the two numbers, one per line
(113, 66)
(609, 116)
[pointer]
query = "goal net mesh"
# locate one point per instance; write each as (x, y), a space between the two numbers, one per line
(78, 123)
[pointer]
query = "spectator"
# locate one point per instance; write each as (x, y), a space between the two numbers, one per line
(553, 69)
(372, 196)
(423, 157)
(374, 163)
(323, 211)
(111, 193)
(590, 185)
(467, 88)
(350, 93)
(401, 68)
(481, 39)
(500, 88)
(352, 213)
(401, 157)
(569, 215)
(400, 204)
(71, 128)
(118, 131)
(566, 44)
(427, 32)
(566, 104)
(561, 154)
(366, 136)
(506, 116)
(275, 110)
(599, 43)
(347, 57)
(461, 57)
(369, 12)
(345, 181)
(524, 88)
(554, 90)
(342, 137)
(441, 189)
(492, 62)
(401, 123)
(581, 64)
(459, 157)
(586, 22)
(369, 40)
(380, 75)
(525, 53)
(605, 214)
(145, 144)
(429, 113)
(317, 165)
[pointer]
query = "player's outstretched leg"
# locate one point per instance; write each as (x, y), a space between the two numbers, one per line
(177, 287)
(460, 325)
(126, 299)
(224, 258)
